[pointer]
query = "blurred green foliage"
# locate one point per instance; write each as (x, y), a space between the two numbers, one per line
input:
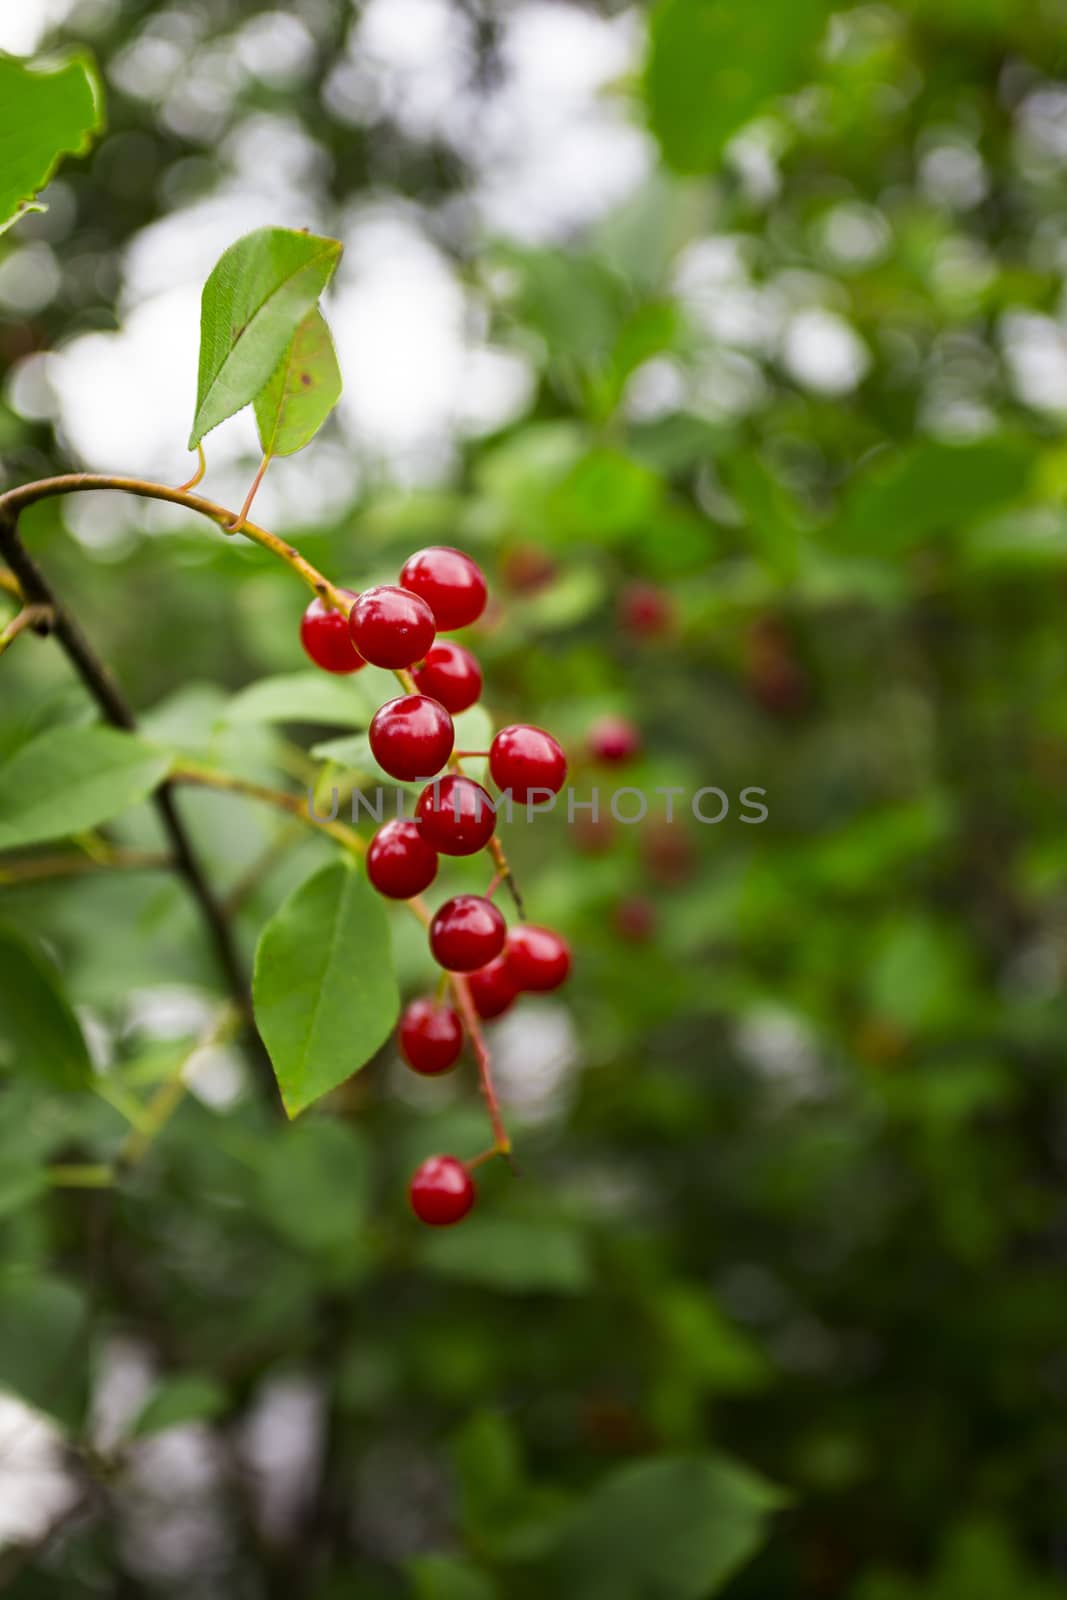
(776, 1307)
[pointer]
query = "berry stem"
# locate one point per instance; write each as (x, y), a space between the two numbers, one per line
(465, 1006)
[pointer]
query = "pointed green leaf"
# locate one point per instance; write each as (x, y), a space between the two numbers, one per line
(324, 990)
(255, 298)
(70, 779)
(714, 64)
(39, 1033)
(677, 1528)
(42, 1342)
(43, 116)
(186, 1397)
(301, 697)
(304, 389)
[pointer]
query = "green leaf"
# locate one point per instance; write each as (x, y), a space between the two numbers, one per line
(677, 1528)
(905, 497)
(187, 1397)
(42, 1343)
(44, 115)
(70, 779)
(258, 293)
(303, 391)
(511, 1254)
(714, 64)
(301, 697)
(39, 1033)
(448, 1578)
(324, 991)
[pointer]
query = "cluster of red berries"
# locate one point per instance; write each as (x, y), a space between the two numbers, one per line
(413, 738)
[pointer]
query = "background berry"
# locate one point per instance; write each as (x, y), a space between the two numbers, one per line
(400, 862)
(522, 759)
(456, 815)
(537, 958)
(614, 740)
(327, 639)
(442, 1191)
(451, 675)
(430, 1036)
(412, 736)
(391, 627)
(449, 581)
(467, 933)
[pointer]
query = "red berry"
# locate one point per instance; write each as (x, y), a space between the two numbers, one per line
(391, 627)
(522, 759)
(527, 568)
(493, 988)
(646, 610)
(451, 584)
(451, 675)
(539, 959)
(400, 863)
(614, 740)
(431, 1037)
(412, 736)
(456, 815)
(325, 635)
(467, 933)
(442, 1191)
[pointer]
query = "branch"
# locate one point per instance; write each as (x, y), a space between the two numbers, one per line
(115, 707)
(34, 588)
(65, 864)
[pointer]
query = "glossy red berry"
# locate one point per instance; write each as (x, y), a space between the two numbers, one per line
(494, 988)
(614, 740)
(442, 1191)
(538, 958)
(523, 759)
(326, 638)
(450, 674)
(400, 863)
(467, 933)
(451, 584)
(430, 1037)
(391, 627)
(456, 816)
(412, 736)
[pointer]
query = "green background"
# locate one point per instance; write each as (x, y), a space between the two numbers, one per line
(777, 1305)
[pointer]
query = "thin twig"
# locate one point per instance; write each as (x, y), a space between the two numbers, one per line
(65, 864)
(38, 617)
(242, 516)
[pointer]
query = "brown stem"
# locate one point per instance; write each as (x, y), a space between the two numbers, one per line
(115, 707)
(65, 864)
(16, 500)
